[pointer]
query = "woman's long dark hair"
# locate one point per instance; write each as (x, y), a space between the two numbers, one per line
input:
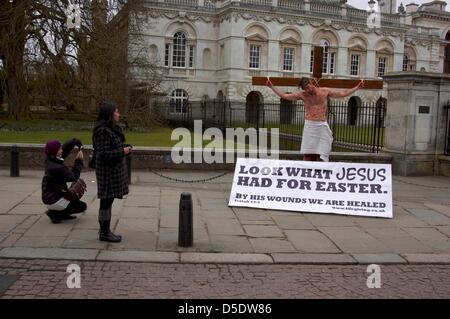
(106, 119)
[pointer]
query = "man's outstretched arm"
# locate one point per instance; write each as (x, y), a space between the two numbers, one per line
(343, 93)
(283, 95)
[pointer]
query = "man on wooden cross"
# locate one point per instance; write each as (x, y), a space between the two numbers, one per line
(317, 136)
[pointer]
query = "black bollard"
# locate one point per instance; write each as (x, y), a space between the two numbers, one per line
(186, 225)
(128, 159)
(14, 161)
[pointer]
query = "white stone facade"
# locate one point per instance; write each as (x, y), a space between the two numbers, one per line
(210, 49)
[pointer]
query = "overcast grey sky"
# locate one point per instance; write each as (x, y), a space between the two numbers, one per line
(363, 3)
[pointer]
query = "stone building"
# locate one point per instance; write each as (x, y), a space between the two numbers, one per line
(210, 49)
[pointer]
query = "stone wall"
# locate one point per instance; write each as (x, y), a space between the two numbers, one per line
(32, 156)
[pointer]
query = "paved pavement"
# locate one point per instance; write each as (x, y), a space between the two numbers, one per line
(237, 253)
(148, 221)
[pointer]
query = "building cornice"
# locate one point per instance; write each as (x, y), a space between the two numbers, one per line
(233, 13)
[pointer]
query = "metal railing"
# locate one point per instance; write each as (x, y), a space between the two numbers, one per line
(355, 127)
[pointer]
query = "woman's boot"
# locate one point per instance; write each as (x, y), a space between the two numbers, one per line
(105, 234)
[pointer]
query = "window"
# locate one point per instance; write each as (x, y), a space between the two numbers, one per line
(382, 63)
(191, 56)
(311, 65)
(354, 67)
(179, 50)
(332, 62)
(329, 58)
(167, 55)
(255, 56)
(406, 63)
(178, 101)
(288, 59)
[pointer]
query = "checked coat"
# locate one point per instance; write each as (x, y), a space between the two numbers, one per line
(110, 166)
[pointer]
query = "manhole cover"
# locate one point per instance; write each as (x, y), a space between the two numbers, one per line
(6, 281)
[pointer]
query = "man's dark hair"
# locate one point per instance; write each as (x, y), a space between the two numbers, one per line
(304, 82)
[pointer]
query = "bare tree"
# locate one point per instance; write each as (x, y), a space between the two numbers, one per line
(46, 62)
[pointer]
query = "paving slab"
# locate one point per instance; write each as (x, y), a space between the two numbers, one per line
(138, 225)
(427, 258)
(224, 227)
(142, 201)
(272, 245)
(263, 231)
(293, 222)
(431, 217)
(10, 240)
(443, 209)
(353, 240)
(140, 212)
(379, 259)
(44, 227)
(49, 253)
(139, 256)
(230, 244)
(167, 240)
(311, 241)
(444, 230)
(41, 241)
(217, 213)
(30, 209)
(427, 234)
(201, 258)
(254, 215)
(340, 259)
(9, 222)
(324, 220)
(84, 238)
(398, 240)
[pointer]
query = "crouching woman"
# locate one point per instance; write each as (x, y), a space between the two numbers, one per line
(57, 175)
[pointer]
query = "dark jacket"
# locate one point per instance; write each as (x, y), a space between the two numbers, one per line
(110, 168)
(56, 177)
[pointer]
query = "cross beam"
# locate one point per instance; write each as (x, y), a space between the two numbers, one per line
(317, 75)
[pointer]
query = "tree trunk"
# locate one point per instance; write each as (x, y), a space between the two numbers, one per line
(14, 49)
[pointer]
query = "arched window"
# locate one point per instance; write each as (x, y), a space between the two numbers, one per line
(329, 57)
(179, 50)
(179, 101)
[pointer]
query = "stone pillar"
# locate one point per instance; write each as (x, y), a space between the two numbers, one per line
(416, 121)
(273, 57)
(371, 63)
(305, 54)
(398, 61)
(342, 62)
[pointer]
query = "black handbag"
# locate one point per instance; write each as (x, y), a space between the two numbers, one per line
(75, 191)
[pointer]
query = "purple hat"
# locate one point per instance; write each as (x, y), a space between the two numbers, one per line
(52, 147)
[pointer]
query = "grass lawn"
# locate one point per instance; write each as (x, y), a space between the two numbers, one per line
(159, 137)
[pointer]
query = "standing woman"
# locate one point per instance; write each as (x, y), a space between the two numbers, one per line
(110, 167)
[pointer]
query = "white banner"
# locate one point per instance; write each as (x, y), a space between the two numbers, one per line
(336, 188)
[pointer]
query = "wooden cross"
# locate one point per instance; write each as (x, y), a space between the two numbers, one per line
(317, 75)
